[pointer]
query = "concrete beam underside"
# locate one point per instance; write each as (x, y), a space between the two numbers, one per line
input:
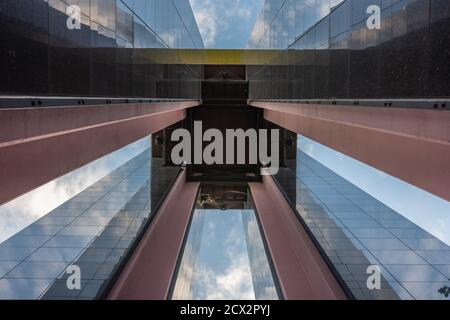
(38, 145)
(412, 145)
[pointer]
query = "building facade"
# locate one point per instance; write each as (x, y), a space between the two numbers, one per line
(329, 53)
(83, 79)
(103, 56)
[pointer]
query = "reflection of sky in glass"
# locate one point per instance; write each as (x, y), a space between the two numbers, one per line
(223, 264)
(216, 263)
(21, 212)
(424, 209)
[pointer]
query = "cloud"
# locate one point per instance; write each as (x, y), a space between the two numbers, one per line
(23, 211)
(208, 28)
(222, 17)
(440, 229)
(223, 270)
(20, 213)
(170, 39)
(206, 14)
(424, 209)
(234, 283)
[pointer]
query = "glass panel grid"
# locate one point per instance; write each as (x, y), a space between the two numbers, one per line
(356, 231)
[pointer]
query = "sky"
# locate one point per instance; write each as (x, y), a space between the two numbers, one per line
(226, 24)
(223, 264)
(424, 209)
(223, 268)
(218, 258)
(23, 211)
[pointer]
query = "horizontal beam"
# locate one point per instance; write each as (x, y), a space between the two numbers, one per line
(38, 145)
(149, 273)
(412, 145)
(206, 56)
(301, 270)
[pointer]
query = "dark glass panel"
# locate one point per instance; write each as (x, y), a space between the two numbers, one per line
(68, 48)
(40, 55)
(440, 48)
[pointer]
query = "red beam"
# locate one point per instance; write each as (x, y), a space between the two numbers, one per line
(412, 145)
(40, 145)
(148, 274)
(301, 270)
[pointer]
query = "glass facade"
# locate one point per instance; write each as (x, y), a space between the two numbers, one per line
(19, 213)
(94, 231)
(355, 231)
(113, 53)
(281, 22)
(129, 49)
(330, 53)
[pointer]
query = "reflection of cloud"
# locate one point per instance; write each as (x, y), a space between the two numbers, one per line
(422, 208)
(170, 39)
(21, 212)
(440, 229)
(206, 14)
(234, 283)
(257, 33)
(224, 271)
(324, 9)
(306, 146)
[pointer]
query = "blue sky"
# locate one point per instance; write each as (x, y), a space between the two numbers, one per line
(218, 260)
(226, 24)
(424, 209)
(21, 212)
(223, 267)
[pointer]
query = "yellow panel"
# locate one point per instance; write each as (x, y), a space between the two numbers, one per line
(207, 56)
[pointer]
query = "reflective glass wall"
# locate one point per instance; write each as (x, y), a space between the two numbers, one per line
(280, 22)
(330, 53)
(92, 232)
(360, 236)
(110, 53)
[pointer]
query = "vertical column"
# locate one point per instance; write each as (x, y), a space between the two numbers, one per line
(148, 274)
(302, 272)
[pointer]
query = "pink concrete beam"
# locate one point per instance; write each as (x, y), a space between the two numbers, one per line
(150, 270)
(301, 270)
(42, 149)
(16, 124)
(412, 145)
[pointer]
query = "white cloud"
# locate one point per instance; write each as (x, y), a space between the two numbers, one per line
(223, 271)
(234, 283)
(215, 17)
(23, 211)
(206, 14)
(422, 208)
(440, 229)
